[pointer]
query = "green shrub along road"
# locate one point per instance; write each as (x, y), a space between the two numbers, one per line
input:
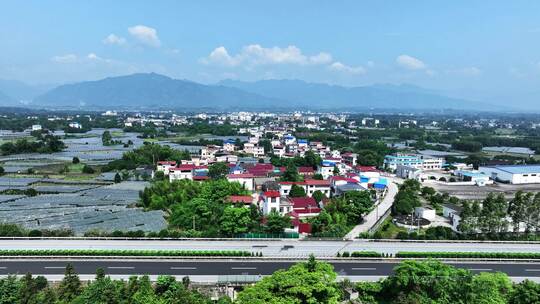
(467, 255)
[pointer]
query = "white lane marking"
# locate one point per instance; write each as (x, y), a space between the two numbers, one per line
(121, 267)
(534, 269)
(3, 267)
(364, 268)
(243, 268)
(480, 269)
(183, 268)
(55, 267)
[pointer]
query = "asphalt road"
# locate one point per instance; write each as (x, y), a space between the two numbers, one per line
(371, 218)
(284, 248)
(230, 267)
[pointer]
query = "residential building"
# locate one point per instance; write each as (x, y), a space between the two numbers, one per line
(165, 166)
(181, 172)
(245, 179)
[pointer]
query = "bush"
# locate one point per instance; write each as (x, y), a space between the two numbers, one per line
(366, 254)
(75, 160)
(88, 170)
(466, 255)
(35, 233)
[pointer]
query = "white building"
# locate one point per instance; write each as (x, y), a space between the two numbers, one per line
(165, 166)
(244, 179)
(513, 174)
(75, 125)
(36, 128)
(181, 172)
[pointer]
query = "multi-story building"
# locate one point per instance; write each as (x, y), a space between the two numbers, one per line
(410, 160)
(181, 172)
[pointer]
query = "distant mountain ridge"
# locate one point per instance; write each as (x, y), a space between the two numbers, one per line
(149, 90)
(153, 91)
(381, 96)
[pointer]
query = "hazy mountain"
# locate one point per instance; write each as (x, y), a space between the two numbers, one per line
(6, 100)
(151, 91)
(22, 92)
(386, 96)
(158, 91)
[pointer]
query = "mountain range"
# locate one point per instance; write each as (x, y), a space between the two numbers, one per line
(154, 91)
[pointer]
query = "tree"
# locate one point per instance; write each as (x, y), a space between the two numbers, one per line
(70, 287)
(275, 223)
(117, 178)
(311, 282)
(267, 145)
(426, 282)
(235, 220)
(218, 170)
(106, 138)
(318, 176)
(297, 191)
(88, 170)
(9, 290)
(30, 288)
(2, 170)
(311, 159)
(101, 290)
(75, 160)
(490, 288)
(493, 214)
(290, 174)
(318, 196)
(525, 292)
(518, 208)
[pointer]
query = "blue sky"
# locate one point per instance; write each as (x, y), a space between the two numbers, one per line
(487, 50)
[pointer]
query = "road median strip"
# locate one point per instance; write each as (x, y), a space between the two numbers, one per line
(124, 253)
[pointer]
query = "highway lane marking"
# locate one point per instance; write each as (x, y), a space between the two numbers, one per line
(3, 267)
(121, 267)
(243, 268)
(55, 267)
(183, 268)
(480, 269)
(530, 270)
(364, 268)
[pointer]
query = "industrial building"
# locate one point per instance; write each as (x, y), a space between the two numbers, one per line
(513, 174)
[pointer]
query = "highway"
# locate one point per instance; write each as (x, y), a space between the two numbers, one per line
(279, 248)
(357, 268)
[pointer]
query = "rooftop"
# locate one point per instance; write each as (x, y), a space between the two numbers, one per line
(518, 169)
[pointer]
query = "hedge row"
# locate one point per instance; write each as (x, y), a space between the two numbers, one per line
(360, 254)
(106, 252)
(483, 255)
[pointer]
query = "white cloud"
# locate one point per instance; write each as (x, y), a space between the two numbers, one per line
(93, 56)
(321, 58)
(220, 56)
(145, 35)
(113, 39)
(68, 58)
(410, 63)
(340, 67)
(255, 54)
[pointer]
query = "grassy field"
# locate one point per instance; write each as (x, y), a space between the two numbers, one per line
(389, 230)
